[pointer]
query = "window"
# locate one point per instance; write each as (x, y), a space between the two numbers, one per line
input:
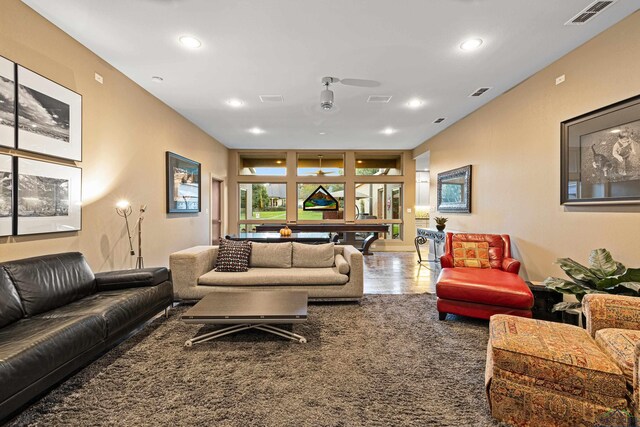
(378, 165)
(265, 201)
(263, 164)
(319, 164)
(305, 190)
(379, 201)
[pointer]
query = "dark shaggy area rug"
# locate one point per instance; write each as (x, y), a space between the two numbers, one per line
(385, 362)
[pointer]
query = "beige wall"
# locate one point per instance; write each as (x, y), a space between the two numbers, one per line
(126, 132)
(513, 144)
(408, 179)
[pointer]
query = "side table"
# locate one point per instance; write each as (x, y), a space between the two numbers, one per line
(543, 301)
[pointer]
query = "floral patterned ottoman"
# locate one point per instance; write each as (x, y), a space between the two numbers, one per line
(550, 374)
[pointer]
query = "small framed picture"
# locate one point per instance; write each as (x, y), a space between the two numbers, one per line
(600, 156)
(6, 195)
(49, 117)
(49, 197)
(183, 184)
(7, 103)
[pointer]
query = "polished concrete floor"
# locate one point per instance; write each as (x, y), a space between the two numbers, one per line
(398, 273)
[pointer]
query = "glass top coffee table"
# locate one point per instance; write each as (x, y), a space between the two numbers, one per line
(248, 310)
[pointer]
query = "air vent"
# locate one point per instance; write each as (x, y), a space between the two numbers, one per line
(589, 12)
(480, 91)
(439, 120)
(379, 98)
(271, 98)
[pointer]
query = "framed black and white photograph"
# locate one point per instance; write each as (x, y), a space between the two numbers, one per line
(49, 117)
(49, 197)
(6, 195)
(183, 184)
(600, 156)
(454, 190)
(7, 103)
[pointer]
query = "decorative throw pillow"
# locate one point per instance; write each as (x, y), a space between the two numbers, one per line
(471, 254)
(233, 256)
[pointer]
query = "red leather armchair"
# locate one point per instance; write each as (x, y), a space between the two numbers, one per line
(481, 292)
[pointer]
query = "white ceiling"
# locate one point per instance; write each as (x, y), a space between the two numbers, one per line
(284, 47)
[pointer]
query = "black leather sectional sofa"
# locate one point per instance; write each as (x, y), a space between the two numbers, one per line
(56, 316)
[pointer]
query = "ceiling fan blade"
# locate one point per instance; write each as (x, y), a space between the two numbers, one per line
(360, 82)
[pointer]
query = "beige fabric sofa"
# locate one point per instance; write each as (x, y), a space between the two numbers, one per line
(194, 276)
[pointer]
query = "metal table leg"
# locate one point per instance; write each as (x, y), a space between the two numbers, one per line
(238, 328)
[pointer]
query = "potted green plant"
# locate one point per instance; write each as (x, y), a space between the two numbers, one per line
(603, 276)
(441, 222)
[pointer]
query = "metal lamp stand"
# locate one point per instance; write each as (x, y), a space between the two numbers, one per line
(140, 260)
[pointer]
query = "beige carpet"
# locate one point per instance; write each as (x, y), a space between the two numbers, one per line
(385, 362)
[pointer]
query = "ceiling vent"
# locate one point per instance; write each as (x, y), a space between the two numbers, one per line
(590, 12)
(480, 91)
(439, 120)
(379, 99)
(271, 98)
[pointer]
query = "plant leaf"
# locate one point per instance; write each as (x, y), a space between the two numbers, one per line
(578, 272)
(602, 263)
(630, 275)
(563, 306)
(565, 286)
(633, 286)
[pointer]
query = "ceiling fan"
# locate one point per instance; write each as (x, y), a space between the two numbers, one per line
(326, 96)
(320, 172)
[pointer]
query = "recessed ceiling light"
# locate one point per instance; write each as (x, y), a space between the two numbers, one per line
(415, 103)
(190, 42)
(360, 162)
(235, 103)
(471, 44)
(388, 131)
(616, 131)
(256, 131)
(279, 162)
(322, 133)
(157, 79)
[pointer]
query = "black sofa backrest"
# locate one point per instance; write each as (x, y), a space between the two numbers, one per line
(50, 281)
(10, 306)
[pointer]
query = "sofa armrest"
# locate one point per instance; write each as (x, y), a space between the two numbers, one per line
(188, 265)
(511, 265)
(356, 267)
(446, 261)
(124, 279)
(611, 311)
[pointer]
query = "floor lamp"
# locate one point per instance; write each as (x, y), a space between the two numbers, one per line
(123, 208)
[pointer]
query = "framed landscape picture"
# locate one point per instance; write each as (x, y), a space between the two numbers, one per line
(6, 195)
(600, 156)
(7, 103)
(183, 184)
(49, 117)
(49, 197)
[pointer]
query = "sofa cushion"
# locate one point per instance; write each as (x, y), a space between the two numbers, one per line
(620, 344)
(122, 279)
(51, 281)
(557, 356)
(313, 256)
(33, 347)
(485, 286)
(10, 306)
(233, 256)
(119, 308)
(275, 276)
(342, 264)
(270, 255)
(471, 254)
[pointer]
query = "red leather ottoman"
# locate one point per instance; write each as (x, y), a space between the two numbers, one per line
(482, 292)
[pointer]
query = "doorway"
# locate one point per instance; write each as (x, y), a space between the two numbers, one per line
(216, 211)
